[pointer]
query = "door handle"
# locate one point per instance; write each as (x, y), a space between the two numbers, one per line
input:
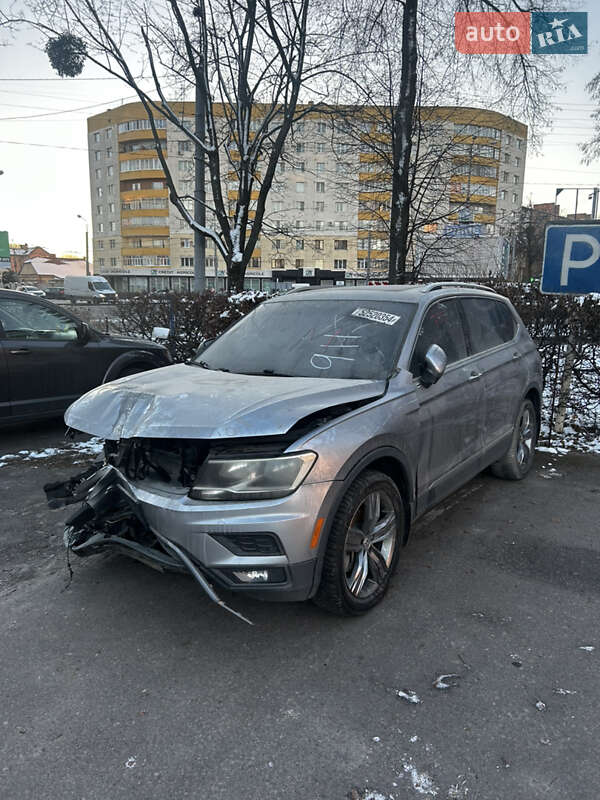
(475, 376)
(21, 351)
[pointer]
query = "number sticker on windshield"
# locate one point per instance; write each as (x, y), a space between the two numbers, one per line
(375, 316)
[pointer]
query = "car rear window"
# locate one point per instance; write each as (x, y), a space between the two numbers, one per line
(490, 322)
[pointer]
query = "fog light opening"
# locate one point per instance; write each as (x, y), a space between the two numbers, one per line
(259, 576)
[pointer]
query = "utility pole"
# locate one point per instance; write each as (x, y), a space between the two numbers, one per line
(199, 169)
(87, 244)
(369, 255)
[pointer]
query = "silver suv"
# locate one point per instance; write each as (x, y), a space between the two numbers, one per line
(290, 457)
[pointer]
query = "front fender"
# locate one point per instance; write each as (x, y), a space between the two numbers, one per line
(149, 360)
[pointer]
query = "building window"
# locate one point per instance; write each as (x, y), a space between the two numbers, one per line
(320, 187)
(517, 161)
(141, 125)
(255, 262)
(113, 262)
(187, 243)
(299, 263)
(340, 263)
(97, 137)
(99, 210)
(98, 174)
(507, 158)
(505, 177)
(136, 187)
(100, 244)
(109, 152)
(110, 171)
(319, 205)
(98, 155)
(339, 206)
(156, 185)
(320, 166)
(101, 262)
(140, 163)
(145, 222)
(340, 244)
(299, 127)
(300, 166)
(112, 226)
(319, 224)
(98, 191)
(299, 244)
(319, 244)
(112, 244)
(110, 188)
(515, 198)
(281, 167)
(109, 133)
(299, 205)
(508, 139)
(503, 194)
(321, 127)
(516, 179)
(183, 147)
(299, 147)
(277, 205)
(100, 227)
(519, 144)
(299, 187)
(187, 261)
(320, 148)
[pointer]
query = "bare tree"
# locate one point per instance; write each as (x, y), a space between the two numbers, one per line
(591, 149)
(254, 62)
(421, 31)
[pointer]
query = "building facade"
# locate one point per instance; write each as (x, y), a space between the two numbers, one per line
(327, 215)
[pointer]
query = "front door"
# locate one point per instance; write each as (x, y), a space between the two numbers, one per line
(449, 415)
(46, 364)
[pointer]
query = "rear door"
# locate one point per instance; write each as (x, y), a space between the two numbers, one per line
(492, 331)
(46, 364)
(450, 421)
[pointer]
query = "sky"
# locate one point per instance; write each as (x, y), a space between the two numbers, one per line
(43, 141)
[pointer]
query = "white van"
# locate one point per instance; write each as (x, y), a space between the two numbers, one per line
(89, 287)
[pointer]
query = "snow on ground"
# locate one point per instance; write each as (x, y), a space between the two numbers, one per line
(91, 447)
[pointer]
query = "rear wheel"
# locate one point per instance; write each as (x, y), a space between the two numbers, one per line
(519, 457)
(362, 550)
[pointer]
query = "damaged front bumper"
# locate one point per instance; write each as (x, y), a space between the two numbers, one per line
(215, 542)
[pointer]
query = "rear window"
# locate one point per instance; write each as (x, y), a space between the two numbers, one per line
(489, 322)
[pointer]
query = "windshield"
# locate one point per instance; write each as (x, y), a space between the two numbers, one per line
(314, 338)
(101, 283)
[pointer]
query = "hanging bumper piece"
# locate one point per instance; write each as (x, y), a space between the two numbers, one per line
(110, 517)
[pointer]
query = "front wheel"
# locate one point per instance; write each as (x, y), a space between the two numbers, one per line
(362, 550)
(518, 460)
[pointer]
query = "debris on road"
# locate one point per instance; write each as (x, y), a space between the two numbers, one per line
(421, 781)
(588, 648)
(540, 705)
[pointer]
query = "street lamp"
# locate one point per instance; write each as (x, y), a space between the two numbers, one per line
(87, 250)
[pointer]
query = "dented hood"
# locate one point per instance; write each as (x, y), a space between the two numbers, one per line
(184, 401)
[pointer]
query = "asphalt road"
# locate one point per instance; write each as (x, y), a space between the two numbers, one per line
(128, 683)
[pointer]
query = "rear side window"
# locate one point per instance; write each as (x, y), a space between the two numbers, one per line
(490, 322)
(442, 325)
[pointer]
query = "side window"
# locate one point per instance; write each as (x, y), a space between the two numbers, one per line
(489, 322)
(26, 320)
(443, 326)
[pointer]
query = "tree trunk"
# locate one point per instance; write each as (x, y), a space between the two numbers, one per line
(403, 115)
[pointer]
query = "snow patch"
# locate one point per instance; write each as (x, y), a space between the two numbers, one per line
(421, 781)
(408, 695)
(441, 681)
(91, 447)
(587, 647)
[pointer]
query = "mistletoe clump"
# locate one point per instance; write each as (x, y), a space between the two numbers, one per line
(67, 54)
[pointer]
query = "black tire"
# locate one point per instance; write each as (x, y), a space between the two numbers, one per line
(344, 567)
(519, 457)
(133, 369)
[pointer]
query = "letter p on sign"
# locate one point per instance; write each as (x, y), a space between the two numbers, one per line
(571, 259)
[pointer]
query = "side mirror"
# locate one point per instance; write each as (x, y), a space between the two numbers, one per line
(83, 332)
(436, 362)
(202, 347)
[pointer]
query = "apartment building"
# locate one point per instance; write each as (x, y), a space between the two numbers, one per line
(327, 213)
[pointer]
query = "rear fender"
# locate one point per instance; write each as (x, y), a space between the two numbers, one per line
(125, 360)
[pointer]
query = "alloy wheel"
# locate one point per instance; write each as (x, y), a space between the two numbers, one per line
(526, 437)
(370, 544)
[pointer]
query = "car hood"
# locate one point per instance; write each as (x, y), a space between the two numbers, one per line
(184, 401)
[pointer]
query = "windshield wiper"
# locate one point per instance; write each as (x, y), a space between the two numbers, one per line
(271, 374)
(205, 365)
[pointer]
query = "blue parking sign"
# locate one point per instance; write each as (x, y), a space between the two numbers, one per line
(571, 259)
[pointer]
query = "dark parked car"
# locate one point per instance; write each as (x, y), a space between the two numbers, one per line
(49, 357)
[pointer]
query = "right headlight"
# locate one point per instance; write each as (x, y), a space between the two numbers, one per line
(251, 478)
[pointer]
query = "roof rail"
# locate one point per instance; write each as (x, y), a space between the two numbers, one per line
(432, 287)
